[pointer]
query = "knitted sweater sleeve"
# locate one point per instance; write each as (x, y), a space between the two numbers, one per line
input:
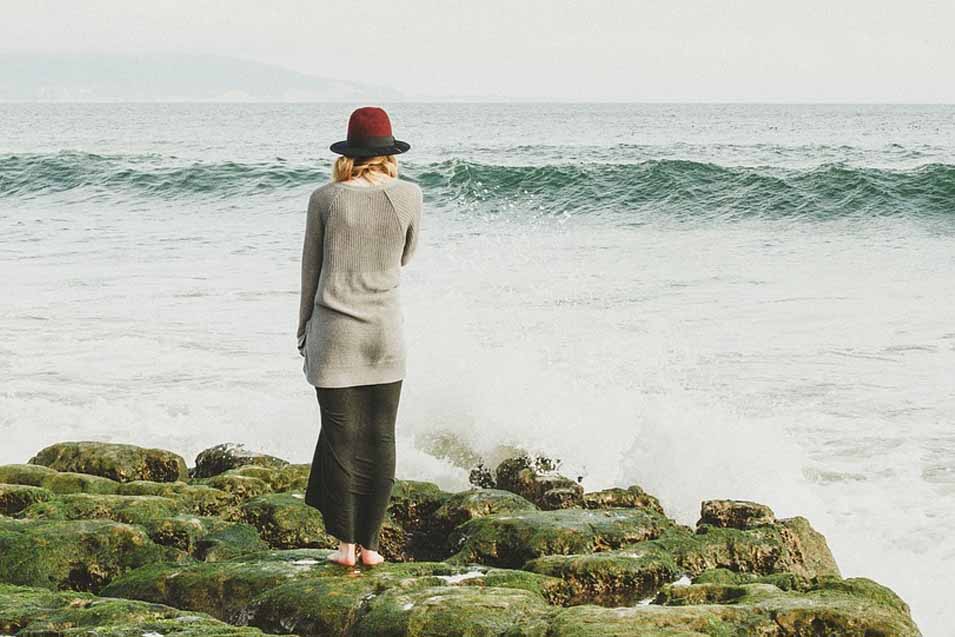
(311, 266)
(414, 228)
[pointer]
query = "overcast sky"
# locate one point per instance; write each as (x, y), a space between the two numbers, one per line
(675, 50)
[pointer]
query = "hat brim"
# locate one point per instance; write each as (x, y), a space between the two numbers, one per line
(343, 148)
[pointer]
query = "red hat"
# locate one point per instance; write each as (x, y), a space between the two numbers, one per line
(369, 134)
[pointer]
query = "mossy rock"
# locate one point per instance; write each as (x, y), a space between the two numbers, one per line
(831, 606)
(285, 522)
(765, 554)
(408, 532)
(511, 539)
(131, 509)
(32, 612)
(120, 462)
(60, 482)
(16, 497)
(475, 503)
(300, 590)
(453, 610)
(220, 458)
(205, 538)
(735, 514)
(783, 581)
(789, 545)
(535, 479)
(199, 499)
(615, 497)
(241, 488)
(611, 578)
(79, 554)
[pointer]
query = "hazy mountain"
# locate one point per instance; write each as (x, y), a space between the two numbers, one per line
(168, 77)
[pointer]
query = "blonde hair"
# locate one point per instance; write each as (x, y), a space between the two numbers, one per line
(355, 167)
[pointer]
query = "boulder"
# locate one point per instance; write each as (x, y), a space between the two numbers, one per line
(37, 611)
(120, 462)
(409, 530)
(453, 610)
(79, 554)
(131, 509)
(287, 478)
(534, 479)
(199, 499)
(230, 455)
(511, 539)
(205, 538)
(16, 497)
(615, 497)
(460, 507)
(638, 570)
(302, 589)
(735, 514)
(56, 481)
(241, 488)
(285, 521)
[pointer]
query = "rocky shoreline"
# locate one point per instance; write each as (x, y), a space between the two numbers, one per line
(123, 541)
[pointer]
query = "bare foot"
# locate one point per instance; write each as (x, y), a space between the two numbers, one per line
(343, 556)
(371, 558)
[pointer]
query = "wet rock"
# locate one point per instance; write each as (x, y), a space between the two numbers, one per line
(735, 514)
(784, 581)
(453, 610)
(205, 538)
(412, 506)
(299, 591)
(637, 571)
(831, 606)
(474, 503)
(611, 578)
(632, 496)
(511, 539)
(221, 458)
(79, 555)
(16, 497)
(285, 521)
(56, 481)
(131, 509)
(37, 612)
(120, 462)
(534, 478)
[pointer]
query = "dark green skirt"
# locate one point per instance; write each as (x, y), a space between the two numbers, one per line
(353, 469)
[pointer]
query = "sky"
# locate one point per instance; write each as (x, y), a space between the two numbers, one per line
(598, 50)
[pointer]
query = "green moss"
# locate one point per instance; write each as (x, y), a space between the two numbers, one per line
(33, 612)
(60, 482)
(79, 555)
(241, 488)
(16, 497)
(632, 496)
(611, 578)
(131, 509)
(510, 539)
(285, 521)
(195, 498)
(467, 611)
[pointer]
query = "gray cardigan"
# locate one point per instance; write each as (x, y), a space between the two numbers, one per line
(357, 238)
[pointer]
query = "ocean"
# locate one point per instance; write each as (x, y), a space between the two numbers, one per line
(710, 301)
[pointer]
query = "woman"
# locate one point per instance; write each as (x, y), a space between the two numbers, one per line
(361, 228)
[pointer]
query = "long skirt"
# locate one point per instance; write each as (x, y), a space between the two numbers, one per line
(353, 469)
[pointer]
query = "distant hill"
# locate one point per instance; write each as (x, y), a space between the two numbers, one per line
(168, 77)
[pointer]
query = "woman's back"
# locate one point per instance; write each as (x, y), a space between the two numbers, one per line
(357, 239)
